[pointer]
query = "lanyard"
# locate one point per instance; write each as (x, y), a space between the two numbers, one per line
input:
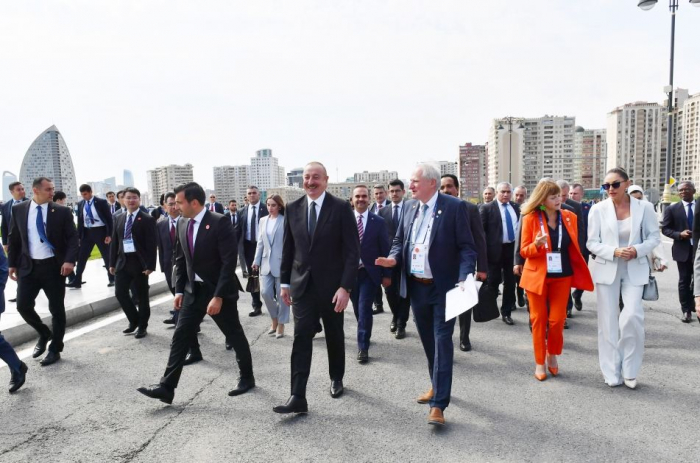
(415, 231)
(542, 228)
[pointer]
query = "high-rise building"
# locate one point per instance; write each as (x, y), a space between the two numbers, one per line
(295, 177)
(286, 192)
(128, 178)
(636, 141)
(48, 156)
(688, 157)
(448, 167)
(7, 178)
(473, 170)
(265, 171)
(590, 157)
(164, 179)
(531, 148)
(231, 182)
(373, 178)
(342, 190)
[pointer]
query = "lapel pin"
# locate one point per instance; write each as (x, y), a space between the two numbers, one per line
(53, 210)
(138, 218)
(439, 212)
(207, 227)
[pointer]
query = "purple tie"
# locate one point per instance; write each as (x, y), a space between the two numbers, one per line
(190, 236)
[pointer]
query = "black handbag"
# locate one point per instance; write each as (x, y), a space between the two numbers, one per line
(487, 307)
(253, 285)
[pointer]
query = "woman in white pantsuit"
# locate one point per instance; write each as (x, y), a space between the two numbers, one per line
(268, 259)
(622, 232)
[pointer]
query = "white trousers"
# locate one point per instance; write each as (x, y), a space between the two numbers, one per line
(620, 334)
(270, 292)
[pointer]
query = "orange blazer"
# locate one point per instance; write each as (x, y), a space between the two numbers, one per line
(535, 268)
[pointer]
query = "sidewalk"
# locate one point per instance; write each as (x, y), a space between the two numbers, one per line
(94, 299)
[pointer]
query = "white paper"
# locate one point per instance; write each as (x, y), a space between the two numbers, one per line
(458, 301)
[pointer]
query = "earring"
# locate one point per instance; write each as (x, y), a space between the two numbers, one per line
(542, 208)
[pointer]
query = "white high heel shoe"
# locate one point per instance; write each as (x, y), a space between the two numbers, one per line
(631, 383)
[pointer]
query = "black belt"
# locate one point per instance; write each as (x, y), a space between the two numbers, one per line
(423, 281)
(48, 260)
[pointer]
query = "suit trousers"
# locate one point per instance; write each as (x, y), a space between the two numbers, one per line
(685, 285)
(92, 237)
(400, 306)
(620, 334)
(249, 248)
(307, 310)
(8, 355)
(436, 336)
(46, 276)
(270, 290)
(379, 297)
(547, 316)
(465, 326)
(194, 308)
(362, 296)
(502, 271)
(132, 273)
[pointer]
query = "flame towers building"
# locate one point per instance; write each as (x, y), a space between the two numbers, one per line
(49, 157)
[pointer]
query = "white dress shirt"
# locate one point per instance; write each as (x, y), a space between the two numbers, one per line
(252, 208)
(513, 218)
(37, 249)
(95, 215)
(423, 236)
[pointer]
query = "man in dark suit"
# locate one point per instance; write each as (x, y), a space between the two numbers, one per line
(159, 211)
(519, 195)
(582, 235)
(678, 223)
(94, 229)
(250, 216)
(167, 231)
(392, 214)
(436, 252)
(499, 219)
(205, 283)
(319, 268)
(577, 194)
(17, 192)
(213, 206)
(449, 185)
(380, 202)
(234, 216)
(43, 248)
(133, 259)
(18, 369)
(374, 242)
(114, 205)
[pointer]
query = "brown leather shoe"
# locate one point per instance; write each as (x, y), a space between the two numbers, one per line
(425, 398)
(436, 417)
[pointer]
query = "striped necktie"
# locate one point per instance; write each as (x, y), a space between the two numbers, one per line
(360, 228)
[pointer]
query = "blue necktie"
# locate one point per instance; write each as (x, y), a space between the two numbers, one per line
(88, 213)
(420, 225)
(40, 228)
(509, 223)
(690, 217)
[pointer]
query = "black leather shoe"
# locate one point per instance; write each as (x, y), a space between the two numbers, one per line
(130, 329)
(193, 358)
(169, 321)
(12, 300)
(566, 324)
(256, 311)
(521, 300)
(508, 321)
(377, 310)
(244, 385)
(74, 285)
(363, 356)
(569, 314)
(465, 346)
(400, 332)
(336, 388)
(18, 377)
(40, 347)
(294, 405)
(141, 333)
(110, 284)
(686, 317)
(51, 358)
(578, 304)
(392, 327)
(158, 391)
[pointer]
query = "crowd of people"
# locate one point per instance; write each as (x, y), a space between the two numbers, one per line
(539, 251)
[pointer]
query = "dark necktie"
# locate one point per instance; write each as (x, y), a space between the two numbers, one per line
(190, 236)
(129, 226)
(395, 217)
(312, 219)
(212, 207)
(40, 227)
(509, 223)
(172, 231)
(360, 227)
(690, 216)
(253, 221)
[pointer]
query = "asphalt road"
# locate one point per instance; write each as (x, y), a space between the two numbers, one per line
(86, 408)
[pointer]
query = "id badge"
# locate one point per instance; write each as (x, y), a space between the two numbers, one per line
(418, 259)
(554, 262)
(129, 246)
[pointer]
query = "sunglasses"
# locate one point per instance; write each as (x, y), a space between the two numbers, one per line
(614, 185)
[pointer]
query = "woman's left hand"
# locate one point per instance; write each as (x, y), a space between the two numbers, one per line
(633, 252)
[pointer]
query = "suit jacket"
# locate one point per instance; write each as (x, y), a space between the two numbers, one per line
(535, 268)
(6, 216)
(477, 231)
(218, 207)
(387, 212)
(143, 232)
(330, 258)
(103, 213)
(158, 212)
(237, 225)
(375, 243)
(493, 228)
(373, 209)
(214, 258)
(451, 251)
(60, 231)
(243, 219)
(519, 259)
(675, 221)
(582, 235)
(117, 206)
(4, 272)
(268, 255)
(603, 238)
(165, 246)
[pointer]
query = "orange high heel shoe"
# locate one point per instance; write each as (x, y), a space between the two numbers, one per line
(540, 376)
(553, 370)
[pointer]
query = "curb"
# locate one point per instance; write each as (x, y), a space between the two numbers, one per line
(23, 333)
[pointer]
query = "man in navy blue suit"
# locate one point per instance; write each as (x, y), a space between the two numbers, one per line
(18, 369)
(374, 242)
(436, 252)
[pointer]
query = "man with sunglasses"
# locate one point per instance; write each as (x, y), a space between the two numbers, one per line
(678, 224)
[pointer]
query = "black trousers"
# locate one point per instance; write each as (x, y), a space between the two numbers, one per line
(685, 285)
(307, 310)
(400, 306)
(502, 271)
(249, 248)
(379, 298)
(46, 276)
(132, 274)
(92, 237)
(194, 308)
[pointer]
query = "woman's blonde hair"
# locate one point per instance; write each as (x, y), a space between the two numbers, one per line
(543, 190)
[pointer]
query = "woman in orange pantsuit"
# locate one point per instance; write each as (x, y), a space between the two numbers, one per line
(553, 265)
